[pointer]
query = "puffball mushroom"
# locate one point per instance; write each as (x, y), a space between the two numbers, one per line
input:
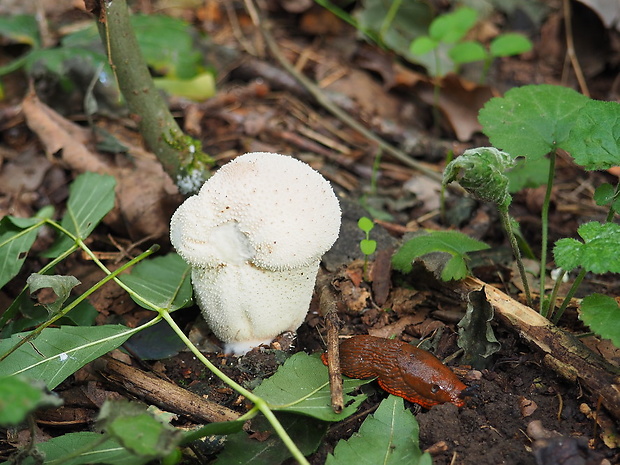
(254, 236)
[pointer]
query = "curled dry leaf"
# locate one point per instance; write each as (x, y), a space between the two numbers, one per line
(59, 135)
(146, 196)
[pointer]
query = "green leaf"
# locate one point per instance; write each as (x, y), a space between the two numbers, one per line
(594, 140)
(83, 314)
(509, 44)
(481, 171)
(242, 449)
(16, 238)
(368, 246)
(218, 428)
(602, 314)
(528, 173)
(467, 52)
(91, 197)
(599, 253)
(389, 436)
(90, 448)
(61, 285)
(59, 352)
(198, 88)
(454, 243)
(422, 45)
(301, 385)
(365, 224)
(411, 21)
(138, 430)
(604, 194)
(19, 397)
(531, 121)
(167, 45)
(156, 342)
(163, 281)
(22, 29)
(452, 27)
(476, 335)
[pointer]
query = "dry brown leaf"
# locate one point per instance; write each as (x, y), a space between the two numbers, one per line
(459, 101)
(58, 134)
(146, 196)
(396, 328)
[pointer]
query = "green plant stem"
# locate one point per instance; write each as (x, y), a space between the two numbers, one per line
(258, 402)
(14, 307)
(33, 334)
(612, 212)
(569, 296)
(389, 17)
(442, 194)
(503, 213)
(375, 172)
(144, 100)
(545, 233)
(436, 92)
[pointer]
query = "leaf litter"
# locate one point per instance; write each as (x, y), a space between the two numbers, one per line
(146, 197)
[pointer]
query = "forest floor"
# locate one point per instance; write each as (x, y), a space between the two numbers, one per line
(520, 404)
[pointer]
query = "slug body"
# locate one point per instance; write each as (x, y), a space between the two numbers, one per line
(401, 369)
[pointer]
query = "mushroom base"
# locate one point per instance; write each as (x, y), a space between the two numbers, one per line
(247, 306)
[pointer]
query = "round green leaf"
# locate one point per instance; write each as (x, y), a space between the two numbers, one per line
(531, 121)
(365, 224)
(604, 194)
(467, 52)
(510, 44)
(602, 314)
(368, 246)
(422, 45)
(594, 140)
(452, 27)
(17, 399)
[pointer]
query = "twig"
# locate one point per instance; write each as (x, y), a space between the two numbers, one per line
(328, 308)
(322, 99)
(161, 392)
(562, 352)
(570, 48)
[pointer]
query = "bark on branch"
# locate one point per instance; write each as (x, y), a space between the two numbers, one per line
(563, 352)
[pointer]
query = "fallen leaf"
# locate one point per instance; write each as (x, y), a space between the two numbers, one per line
(59, 135)
(459, 102)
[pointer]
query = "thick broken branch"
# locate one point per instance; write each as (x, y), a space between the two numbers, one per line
(563, 352)
(162, 393)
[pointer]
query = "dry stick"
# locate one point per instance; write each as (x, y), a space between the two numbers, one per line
(322, 99)
(562, 351)
(330, 312)
(163, 393)
(570, 48)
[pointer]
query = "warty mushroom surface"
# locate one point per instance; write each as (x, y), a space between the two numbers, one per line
(254, 236)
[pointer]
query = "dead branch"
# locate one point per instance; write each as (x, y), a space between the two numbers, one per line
(162, 393)
(563, 352)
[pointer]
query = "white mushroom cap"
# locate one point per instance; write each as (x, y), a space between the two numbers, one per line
(261, 213)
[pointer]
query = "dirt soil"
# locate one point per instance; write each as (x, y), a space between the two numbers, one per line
(521, 411)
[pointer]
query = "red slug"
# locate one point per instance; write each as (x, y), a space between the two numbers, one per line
(401, 369)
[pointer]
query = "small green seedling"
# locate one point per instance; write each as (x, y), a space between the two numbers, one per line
(368, 246)
(534, 122)
(445, 42)
(444, 50)
(454, 243)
